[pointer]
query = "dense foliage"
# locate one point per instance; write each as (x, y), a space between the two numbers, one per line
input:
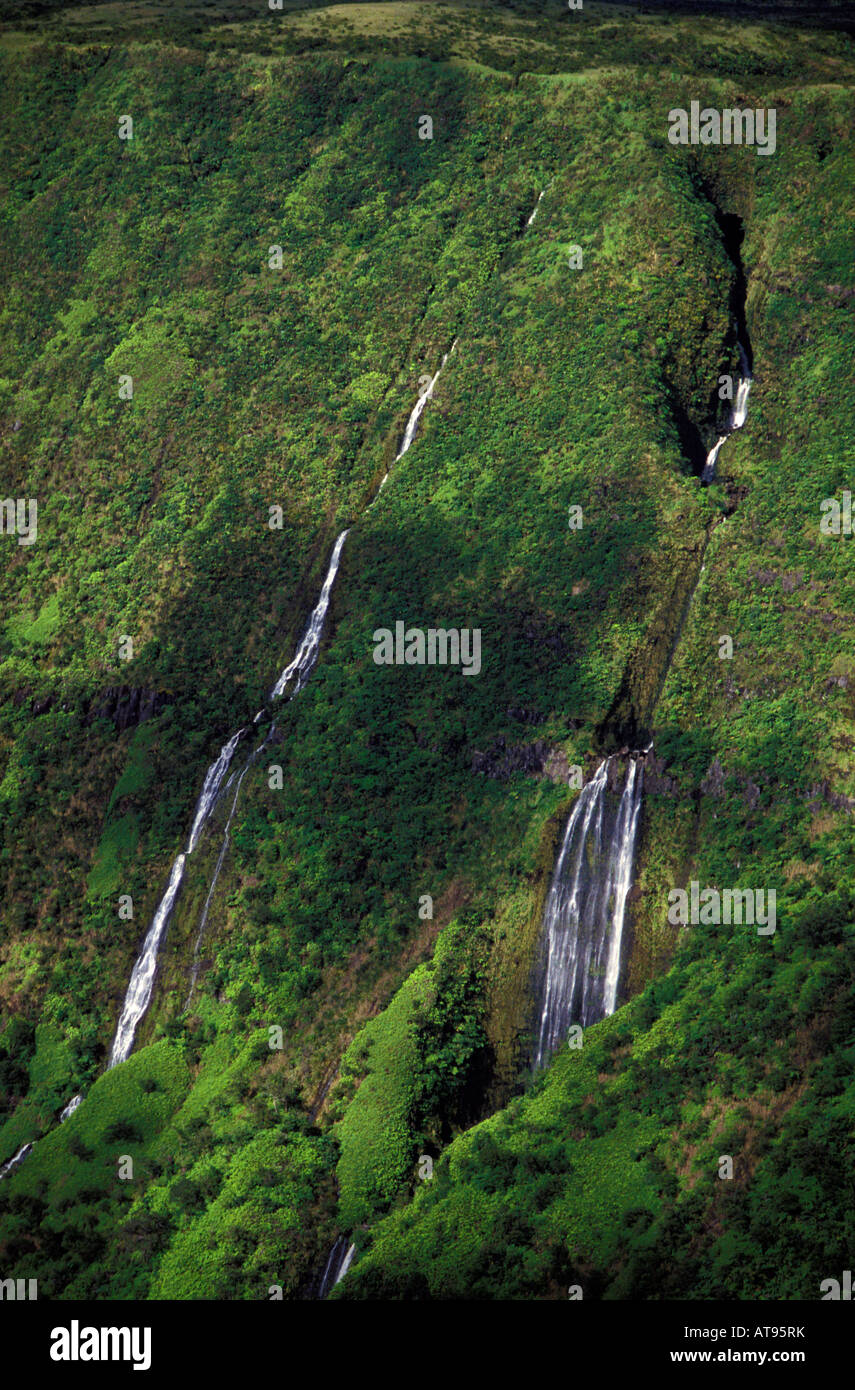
(404, 1029)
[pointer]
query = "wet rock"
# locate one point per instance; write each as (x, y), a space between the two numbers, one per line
(539, 759)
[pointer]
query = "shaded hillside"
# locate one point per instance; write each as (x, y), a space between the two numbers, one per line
(259, 385)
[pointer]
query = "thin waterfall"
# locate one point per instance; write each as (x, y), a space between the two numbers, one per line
(338, 1263)
(583, 920)
(254, 755)
(299, 670)
(738, 415)
(536, 208)
(414, 418)
(307, 652)
(17, 1158)
(303, 662)
(333, 1260)
(306, 656)
(345, 1264)
(139, 991)
(416, 412)
(26, 1149)
(140, 987)
(210, 788)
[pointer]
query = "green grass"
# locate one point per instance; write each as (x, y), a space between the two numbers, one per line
(253, 388)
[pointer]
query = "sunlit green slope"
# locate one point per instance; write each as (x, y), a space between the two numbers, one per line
(585, 385)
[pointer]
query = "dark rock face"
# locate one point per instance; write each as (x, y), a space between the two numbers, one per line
(538, 759)
(656, 780)
(525, 716)
(126, 706)
(820, 795)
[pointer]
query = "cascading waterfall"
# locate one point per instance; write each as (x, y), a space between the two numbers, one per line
(140, 987)
(738, 415)
(254, 755)
(586, 905)
(139, 991)
(536, 208)
(299, 669)
(585, 909)
(17, 1158)
(345, 1264)
(307, 653)
(416, 412)
(70, 1108)
(338, 1263)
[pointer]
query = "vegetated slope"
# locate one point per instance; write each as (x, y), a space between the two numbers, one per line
(255, 387)
(607, 1176)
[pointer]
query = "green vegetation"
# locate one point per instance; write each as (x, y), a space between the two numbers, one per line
(256, 386)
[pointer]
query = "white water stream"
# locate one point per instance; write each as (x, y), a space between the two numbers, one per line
(583, 920)
(141, 984)
(139, 991)
(738, 416)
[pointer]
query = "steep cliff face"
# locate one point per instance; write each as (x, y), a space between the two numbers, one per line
(623, 1196)
(279, 260)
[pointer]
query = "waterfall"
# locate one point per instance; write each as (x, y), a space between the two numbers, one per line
(256, 753)
(583, 919)
(416, 412)
(538, 203)
(536, 206)
(738, 415)
(306, 655)
(138, 995)
(139, 991)
(414, 417)
(26, 1149)
(210, 787)
(338, 1263)
(142, 976)
(345, 1264)
(141, 985)
(307, 652)
(70, 1108)
(15, 1160)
